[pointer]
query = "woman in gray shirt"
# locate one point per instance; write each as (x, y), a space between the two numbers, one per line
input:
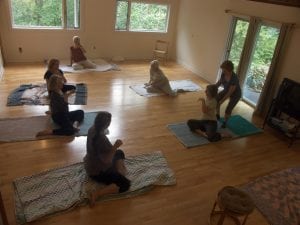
(103, 161)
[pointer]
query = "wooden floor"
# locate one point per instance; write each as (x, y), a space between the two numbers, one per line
(141, 123)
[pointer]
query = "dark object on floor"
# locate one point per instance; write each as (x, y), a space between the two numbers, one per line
(284, 112)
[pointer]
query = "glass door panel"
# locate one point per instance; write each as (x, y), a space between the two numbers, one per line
(260, 61)
(238, 41)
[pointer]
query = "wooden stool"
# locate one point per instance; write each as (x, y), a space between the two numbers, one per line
(3, 216)
(233, 203)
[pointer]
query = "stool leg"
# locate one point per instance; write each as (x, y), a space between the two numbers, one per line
(221, 220)
(2, 211)
(213, 209)
(245, 219)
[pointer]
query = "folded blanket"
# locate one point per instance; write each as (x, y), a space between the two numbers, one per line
(182, 85)
(37, 94)
(102, 66)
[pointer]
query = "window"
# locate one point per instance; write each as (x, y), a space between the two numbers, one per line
(139, 16)
(45, 13)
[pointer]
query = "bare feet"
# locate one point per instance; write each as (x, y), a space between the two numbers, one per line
(226, 135)
(109, 189)
(201, 133)
(44, 132)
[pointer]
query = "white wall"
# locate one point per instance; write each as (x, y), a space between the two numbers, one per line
(98, 18)
(202, 33)
(1, 65)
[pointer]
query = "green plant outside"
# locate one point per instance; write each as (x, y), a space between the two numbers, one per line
(262, 55)
(143, 16)
(42, 13)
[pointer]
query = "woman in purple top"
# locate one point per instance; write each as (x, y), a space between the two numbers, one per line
(232, 90)
(78, 59)
(103, 161)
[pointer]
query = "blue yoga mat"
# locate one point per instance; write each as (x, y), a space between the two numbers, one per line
(237, 126)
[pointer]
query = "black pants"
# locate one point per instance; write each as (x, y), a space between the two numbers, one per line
(66, 120)
(233, 100)
(208, 126)
(68, 87)
(112, 176)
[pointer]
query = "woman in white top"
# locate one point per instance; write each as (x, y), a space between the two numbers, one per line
(158, 80)
(207, 126)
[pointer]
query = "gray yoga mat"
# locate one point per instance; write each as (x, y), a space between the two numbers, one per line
(25, 129)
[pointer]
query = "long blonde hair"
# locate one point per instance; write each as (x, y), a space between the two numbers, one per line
(53, 82)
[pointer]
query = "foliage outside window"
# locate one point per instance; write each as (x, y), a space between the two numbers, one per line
(262, 57)
(45, 13)
(140, 16)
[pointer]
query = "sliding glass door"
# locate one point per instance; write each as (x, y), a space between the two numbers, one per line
(260, 61)
(251, 47)
(237, 40)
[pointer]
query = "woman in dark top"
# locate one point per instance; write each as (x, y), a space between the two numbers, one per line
(60, 110)
(53, 68)
(232, 90)
(103, 161)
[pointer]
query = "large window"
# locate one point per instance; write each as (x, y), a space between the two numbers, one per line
(140, 16)
(45, 13)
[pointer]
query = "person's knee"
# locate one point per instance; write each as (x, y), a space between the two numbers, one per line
(80, 115)
(190, 124)
(119, 154)
(124, 185)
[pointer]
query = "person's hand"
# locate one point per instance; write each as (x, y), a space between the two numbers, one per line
(146, 84)
(118, 143)
(201, 99)
(71, 92)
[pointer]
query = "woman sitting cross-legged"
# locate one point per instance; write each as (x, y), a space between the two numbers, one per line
(60, 114)
(53, 69)
(207, 126)
(104, 162)
(158, 81)
(78, 59)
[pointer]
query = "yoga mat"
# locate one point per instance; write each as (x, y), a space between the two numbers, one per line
(185, 85)
(237, 126)
(277, 196)
(60, 189)
(25, 129)
(37, 94)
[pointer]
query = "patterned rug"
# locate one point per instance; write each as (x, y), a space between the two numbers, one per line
(37, 94)
(277, 196)
(185, 85)
(60, 189)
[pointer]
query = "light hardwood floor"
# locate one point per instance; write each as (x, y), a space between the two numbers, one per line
(141, 123)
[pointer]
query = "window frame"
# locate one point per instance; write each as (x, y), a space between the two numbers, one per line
(129, 13)
(64, 19)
